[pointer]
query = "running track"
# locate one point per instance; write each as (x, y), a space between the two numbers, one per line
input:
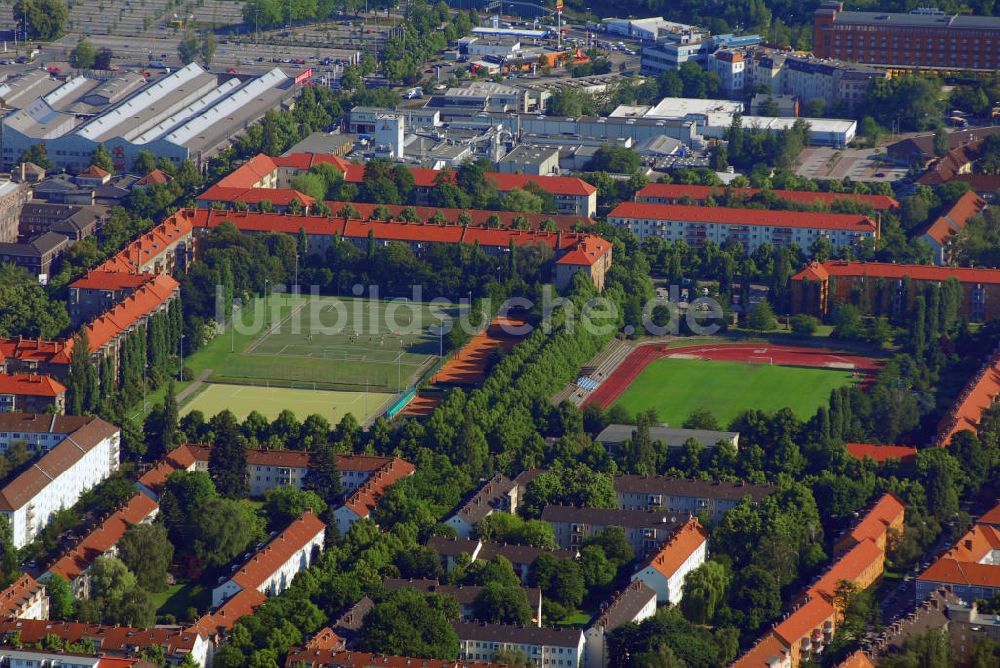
(640, 358)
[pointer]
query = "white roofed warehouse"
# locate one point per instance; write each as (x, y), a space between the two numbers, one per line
(188, 114)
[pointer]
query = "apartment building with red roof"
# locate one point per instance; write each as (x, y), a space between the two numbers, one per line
(856, 659)
(74, 564)
(885, 283)
(677, 193)
(971, 568)
(165, 248)
(664, 572)
(311, 657)
(271, 569)
(360, 503)
(476, 217)
(941, 232)
(77, 453)
(768, 652)
(574, 251)
(750, 228)
(99, 291)
(35, 356)
(975, 397)
(31, 393)
(110, 641)
(573, 196)
(882, 523)
(25, 598)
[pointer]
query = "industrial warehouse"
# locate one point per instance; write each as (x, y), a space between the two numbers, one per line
(189, 113)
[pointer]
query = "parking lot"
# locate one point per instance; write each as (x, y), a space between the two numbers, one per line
(857, 164)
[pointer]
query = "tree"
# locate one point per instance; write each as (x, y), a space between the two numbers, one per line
(9, 562)
(804, 325)
(188, 48)
(286, 503)
(81, 383)
(502, 604)
(761, 317)
(323, 477)
(102, 61)
(61, 599)
(110, 584)
(102, 159)
(83, 55)
(701, 418)
(705, 590)
(940, 142)
(223, 528)
(411, 623)
(45, 19)
(614, 159)
(207, 48)
(147, 551)
(227, 462)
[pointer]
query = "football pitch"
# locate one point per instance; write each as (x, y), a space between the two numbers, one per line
(675, 388)
(270, 401)
(325, 343)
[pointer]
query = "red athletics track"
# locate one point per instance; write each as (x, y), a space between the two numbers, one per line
(640, 358)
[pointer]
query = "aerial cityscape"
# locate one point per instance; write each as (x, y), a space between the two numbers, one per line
(499, 334)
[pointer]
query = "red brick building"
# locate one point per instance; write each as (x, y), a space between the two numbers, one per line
(922, 41)
(818, 287)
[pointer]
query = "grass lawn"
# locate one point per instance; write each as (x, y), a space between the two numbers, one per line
(177, 598)
(578, 618)
(270, 401)
(676, 387)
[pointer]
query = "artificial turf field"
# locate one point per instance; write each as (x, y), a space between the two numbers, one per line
(325, 343)
(270, 401)
(677, 387)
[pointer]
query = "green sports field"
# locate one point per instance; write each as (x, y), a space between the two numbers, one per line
(677, 387)
(270, 401)
(330, 343)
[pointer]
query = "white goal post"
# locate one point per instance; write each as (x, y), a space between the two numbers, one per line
(760, 359)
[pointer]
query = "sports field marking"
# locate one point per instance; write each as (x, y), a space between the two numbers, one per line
(675, 388)
(275, 327)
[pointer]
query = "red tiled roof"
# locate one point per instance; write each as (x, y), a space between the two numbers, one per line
(856, 660)
(362, 501)
(992, 516)
(31, 385)
(95, 171)
(230, 612)
(886, 511)
(812, 615)
(676, 191)
(960, 565)
(681, 545)
(325, 658)
(133, 308)
(110, 280)
(180, 458)
(305, 161)
(149, 245)
(762, 654)
(278, 551)
(968, 410)
(325, 638)
(731, 216)
(249, 173)
(17, 595)
(850, 567)
(276, 196)
(78, 559)
(586, 252)
(36, 350)
(393, 231)
(955, 219)
(917, 272)
(157, 177)
(116, 639)
(981, 182)
(882, 453)
(191, 452)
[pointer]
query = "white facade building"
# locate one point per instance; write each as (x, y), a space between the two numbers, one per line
(749, 227)
(271, 570)
(547, 647)
(74, 461)
(633, 605)
(665, 571)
